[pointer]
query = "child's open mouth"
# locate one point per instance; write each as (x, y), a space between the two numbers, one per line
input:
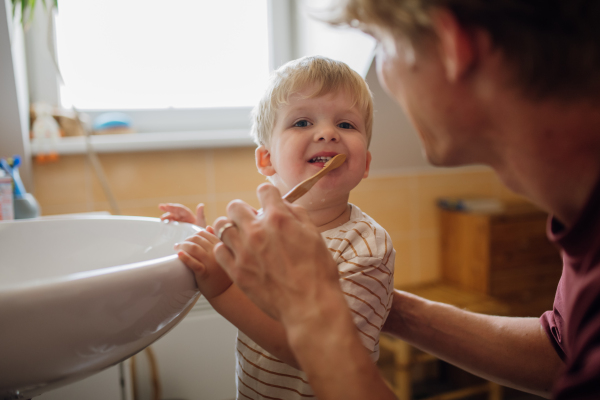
(320, 159)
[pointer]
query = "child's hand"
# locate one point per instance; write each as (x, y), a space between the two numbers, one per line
(197, 254)
(180, 213)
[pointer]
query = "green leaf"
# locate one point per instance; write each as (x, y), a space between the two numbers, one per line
(31, 8)
(14, 7)
(23, 8)
(28, 5)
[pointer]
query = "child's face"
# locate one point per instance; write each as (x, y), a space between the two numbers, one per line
(307, 133)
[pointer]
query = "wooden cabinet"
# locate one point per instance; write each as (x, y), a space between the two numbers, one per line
(503, 254)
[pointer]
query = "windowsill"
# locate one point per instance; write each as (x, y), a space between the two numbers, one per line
(146, 142)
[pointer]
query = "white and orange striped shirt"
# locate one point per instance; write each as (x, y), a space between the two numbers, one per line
(365, 257)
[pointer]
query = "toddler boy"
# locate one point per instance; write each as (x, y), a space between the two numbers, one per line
(313, 109)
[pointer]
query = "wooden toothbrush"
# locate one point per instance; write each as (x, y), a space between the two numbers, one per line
(300, 189)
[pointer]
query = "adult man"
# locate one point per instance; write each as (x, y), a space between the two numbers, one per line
(508, 83)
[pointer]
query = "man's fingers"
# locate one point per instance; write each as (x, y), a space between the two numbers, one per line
(218, 224)
(269, 196)
(240, 213)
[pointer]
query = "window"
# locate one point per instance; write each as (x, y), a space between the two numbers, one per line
(138, 54)
(191, 66)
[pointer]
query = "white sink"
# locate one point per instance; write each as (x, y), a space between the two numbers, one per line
(78, 295)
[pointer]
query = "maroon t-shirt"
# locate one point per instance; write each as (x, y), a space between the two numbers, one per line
(573, 325)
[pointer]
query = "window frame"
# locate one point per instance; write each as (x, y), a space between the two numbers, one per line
(44, 80)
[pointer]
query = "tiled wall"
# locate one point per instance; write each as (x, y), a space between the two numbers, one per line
(403, 203)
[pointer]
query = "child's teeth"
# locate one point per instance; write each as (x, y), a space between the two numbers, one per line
(320, 159)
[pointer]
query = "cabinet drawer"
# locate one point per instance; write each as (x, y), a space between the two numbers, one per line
(504, 254)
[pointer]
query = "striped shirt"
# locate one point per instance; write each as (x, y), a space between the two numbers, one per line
(365, 258)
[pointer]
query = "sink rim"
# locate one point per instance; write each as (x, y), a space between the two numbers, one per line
(45, 282)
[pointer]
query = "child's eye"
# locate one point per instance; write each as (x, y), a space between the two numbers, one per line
(346, 125)
(302, 123)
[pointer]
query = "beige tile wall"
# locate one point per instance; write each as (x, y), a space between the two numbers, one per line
(404, 204)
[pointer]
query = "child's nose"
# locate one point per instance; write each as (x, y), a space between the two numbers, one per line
(327, 134)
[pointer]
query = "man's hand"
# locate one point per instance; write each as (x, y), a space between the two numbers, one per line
(278, 259)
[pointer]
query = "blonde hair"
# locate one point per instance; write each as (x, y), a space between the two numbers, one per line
(321, 73)
(552, 46)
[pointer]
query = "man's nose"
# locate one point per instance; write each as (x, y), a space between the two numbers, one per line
(327, 134)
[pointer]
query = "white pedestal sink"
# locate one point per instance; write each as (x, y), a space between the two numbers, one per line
(78, 295)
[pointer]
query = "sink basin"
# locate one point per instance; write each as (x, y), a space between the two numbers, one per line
(78, 295)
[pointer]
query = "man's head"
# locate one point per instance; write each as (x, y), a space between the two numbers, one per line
(551, 45)
(319, 74)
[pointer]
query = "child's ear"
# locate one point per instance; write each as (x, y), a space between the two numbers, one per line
(368, 165)
(263, 161)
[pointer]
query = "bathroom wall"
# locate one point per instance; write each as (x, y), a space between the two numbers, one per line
(400, 193)
(403, 203)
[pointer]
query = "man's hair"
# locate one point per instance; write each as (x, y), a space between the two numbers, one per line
(322, 75)
(552, 46)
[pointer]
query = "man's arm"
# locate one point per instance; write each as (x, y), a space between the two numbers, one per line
(330, 352)
(513, 352)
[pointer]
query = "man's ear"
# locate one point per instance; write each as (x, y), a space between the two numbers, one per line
(263, 161)
(457, 46)
(368, 167)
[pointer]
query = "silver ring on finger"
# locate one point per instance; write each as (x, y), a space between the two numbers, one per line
(224, 228)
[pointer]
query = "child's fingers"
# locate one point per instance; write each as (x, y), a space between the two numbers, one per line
(167, 216)
(198, 247)
(204, 240)
(200, 218)
(209, 236)
(196, 266)
(172, 207)
(177, 212)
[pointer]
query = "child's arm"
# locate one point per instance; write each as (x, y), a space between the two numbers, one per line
(180, 213)
(228, 300)
(269, 334)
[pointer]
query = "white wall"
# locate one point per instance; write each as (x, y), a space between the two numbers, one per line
(314, 37)
(395, 145)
